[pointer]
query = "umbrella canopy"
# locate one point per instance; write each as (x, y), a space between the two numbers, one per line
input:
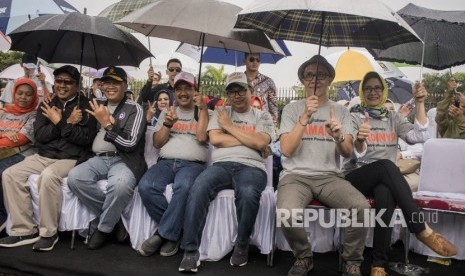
(200, 23)
(231, 57)
(354, 64)
(15, 71)
(356, 23)
(123, 8)
(79, 39)
(14, 13)
(443, 33)
(4, 43)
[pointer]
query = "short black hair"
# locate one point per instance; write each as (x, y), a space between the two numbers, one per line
(95, 80)
(173, 60)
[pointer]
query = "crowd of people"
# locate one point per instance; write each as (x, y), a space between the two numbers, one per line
(329, 152)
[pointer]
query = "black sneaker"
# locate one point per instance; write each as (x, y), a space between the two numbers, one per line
(120, 231)
(301, 267)
(150, 245)
(169, 248)
(97, 240)
(45, 243)
(14, 241)
(190, 262)
(240, 255)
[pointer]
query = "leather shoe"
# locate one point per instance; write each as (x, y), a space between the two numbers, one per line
(97, 240)
(439, 244)
(120, 232)
(378, 271)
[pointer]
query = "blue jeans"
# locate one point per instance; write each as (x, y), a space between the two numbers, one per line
(248, 184)
(82, 181)
(170, 216)
(5, 164)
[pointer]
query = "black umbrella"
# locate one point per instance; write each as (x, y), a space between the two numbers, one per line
(78, 39)
(443, 33)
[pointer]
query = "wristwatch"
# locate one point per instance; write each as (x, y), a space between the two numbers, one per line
(340, 140)
(108, 127)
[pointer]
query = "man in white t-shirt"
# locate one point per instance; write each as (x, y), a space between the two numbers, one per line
(239, 134)
(314, 133)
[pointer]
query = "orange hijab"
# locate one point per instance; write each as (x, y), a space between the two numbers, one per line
(15, 108)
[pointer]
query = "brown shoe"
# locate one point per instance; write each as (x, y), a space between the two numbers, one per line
(439, 244)
(378, 271)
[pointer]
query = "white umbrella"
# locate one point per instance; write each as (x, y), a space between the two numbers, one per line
(4, 43)
(16, 71)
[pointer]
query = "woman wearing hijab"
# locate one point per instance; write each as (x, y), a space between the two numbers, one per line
(16, 130)
(163, 99)
(372, 169)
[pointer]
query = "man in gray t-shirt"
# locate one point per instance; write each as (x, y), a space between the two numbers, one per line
(314, 133)
(181, 139)
(239, 135)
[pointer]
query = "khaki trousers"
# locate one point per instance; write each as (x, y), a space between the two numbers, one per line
(18, 201)
(297, 191)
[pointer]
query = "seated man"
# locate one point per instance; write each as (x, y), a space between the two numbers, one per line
(239, 133)
(176, 129)
(314, 133)
(63, 139)
(119, 150)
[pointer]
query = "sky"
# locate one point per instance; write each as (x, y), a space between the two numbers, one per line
(165, 49)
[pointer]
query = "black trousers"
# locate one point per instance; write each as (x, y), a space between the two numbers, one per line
(383, 181)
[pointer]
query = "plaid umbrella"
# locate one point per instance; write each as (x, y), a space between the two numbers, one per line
(443, 33)
(355, 23)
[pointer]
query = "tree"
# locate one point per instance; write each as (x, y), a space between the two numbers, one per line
(9, 58)
(213, 81)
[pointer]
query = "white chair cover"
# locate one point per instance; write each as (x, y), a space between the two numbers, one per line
(442, 176)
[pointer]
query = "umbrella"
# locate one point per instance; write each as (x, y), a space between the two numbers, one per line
(14, 13)
(355, 23)
(4, 43)
(443, 33)
(231, 57)
(354, 64)
(200, 22)
(15, 71)
(79, 39)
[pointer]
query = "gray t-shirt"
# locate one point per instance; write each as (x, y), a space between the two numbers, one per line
(100, 145)
(316, 154)
(382, 141)
(183, 143)
(252, 121)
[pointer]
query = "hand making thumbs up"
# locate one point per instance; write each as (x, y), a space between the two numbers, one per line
(364, 129)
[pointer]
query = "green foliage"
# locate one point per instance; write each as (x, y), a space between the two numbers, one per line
(9, 58)
(213, 81)
(437, 83)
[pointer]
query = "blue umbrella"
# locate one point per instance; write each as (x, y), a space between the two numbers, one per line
(236, 58)
(14, 13)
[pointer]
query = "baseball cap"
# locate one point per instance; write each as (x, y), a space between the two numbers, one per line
(185, 77)
(29, 61)
(70, 70)
(321, 62)
(116, 73)
(238, 78)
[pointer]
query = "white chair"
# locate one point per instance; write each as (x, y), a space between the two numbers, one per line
(441, 192)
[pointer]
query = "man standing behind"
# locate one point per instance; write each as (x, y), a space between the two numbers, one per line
(239, 134)
(183, 155)
(119, 150)
(314, 132)
(173, 67)
(63, 139)
(262, 86)
(450, 116)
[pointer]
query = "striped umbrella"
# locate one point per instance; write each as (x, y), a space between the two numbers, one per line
(355, 23)
(14, 13)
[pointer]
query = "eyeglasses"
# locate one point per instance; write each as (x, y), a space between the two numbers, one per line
(239, 91)
(172, 69)
(319, 76)
(253, 59)
(377, 89)
(61, 81)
